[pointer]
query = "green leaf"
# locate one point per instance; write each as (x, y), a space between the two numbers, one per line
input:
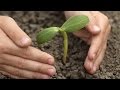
(75, 23)
(46, 34)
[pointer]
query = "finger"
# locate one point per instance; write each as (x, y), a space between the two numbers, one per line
(37, 55)
(23, 73)
(95, 46)
(93, 51)
(89, 63)
(26, 64)
(98, 61)
(5, 42)
(32, 54)
(102, 20)
(17, 35)
(104, 40)
(10, 75)
(101, 53)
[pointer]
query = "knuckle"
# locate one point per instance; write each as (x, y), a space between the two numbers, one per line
(26, 52)
(21, 63)
(3, 67)
(106, 19)
(5, 19)
(3, 48)
(39, 68)
(18, 73)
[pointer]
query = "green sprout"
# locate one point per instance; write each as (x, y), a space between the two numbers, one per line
(73, 24)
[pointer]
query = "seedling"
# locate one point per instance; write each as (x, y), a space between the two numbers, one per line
(73, 24)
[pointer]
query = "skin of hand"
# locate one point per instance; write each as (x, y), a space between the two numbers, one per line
(18, 58)
(96, 34)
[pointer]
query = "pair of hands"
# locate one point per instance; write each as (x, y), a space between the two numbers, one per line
(20, 60)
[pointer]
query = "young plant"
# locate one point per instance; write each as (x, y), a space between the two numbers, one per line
(73, 24)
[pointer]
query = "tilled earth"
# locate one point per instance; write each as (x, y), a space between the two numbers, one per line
(32, 21)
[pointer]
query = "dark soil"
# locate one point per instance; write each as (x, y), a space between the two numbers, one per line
(32, 21)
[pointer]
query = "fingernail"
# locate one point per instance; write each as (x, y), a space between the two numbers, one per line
(51, 71)
(96, 28)
(25, 40)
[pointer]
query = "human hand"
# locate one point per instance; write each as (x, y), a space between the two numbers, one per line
(96, 35)
(17, 58)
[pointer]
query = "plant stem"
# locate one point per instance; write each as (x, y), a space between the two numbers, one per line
(65, 37)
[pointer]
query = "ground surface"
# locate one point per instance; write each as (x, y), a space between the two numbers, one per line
(31, 22)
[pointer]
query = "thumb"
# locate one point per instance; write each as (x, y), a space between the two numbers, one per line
(14, 32)
(92, 27)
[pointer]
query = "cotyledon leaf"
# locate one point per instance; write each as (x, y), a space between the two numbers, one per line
(75, 23)
(46, 34)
